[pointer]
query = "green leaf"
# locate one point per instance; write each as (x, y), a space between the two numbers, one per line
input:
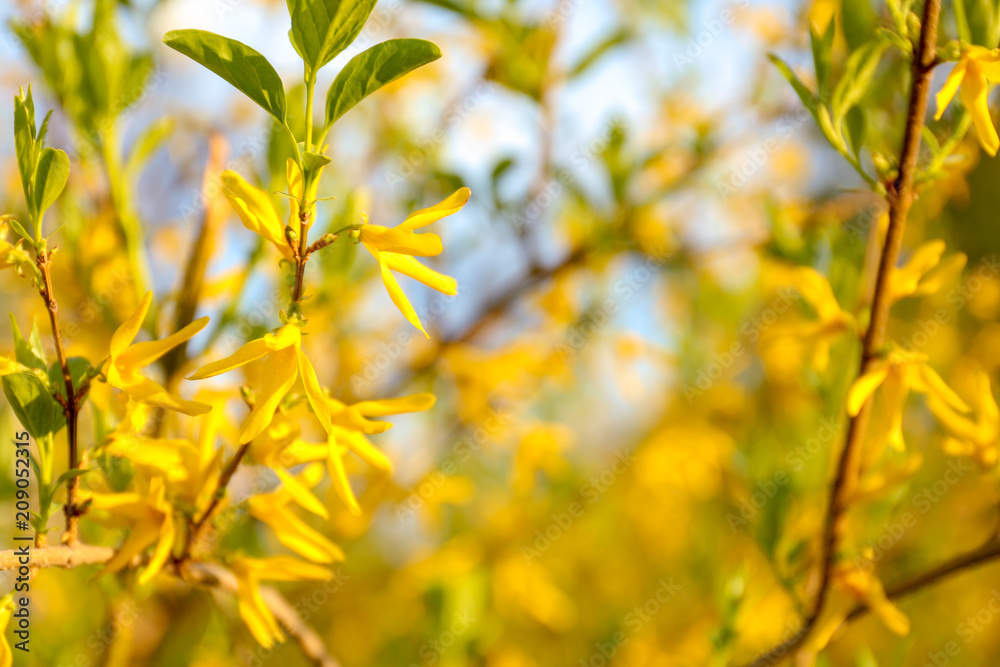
(859, 22)
(822, 49)
(27, 352)
(595, 54)
(807, 96)
(148, 142)
(321, 29)
(24, 142)
(32, 404)
(858, 75)
(857, 128)
(51, 173)
(370, 70)
(245, 69)
(70, 474)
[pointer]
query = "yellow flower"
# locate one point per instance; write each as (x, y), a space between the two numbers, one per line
(897, 374)
(8, 252)
(256, 210)
(924, 273)
(831, 320)
(976, 70)
(284, 361)
(273, 509)
(978, 438)
(253, 610)
(349, 424)
(128, 358)
(395, 248)
(188, 469)
(150, 520)
(850, 585)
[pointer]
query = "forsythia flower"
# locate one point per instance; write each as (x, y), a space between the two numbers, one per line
(924, 273)
(831, 319)
(395, 248)
(273, 509)
(284, 361)
(150, 519)
(128, 358)
(897, 374)
(851, 585)
(349, 424)
(253, 610)
(256, 211)
(979, 438)
(975, 71)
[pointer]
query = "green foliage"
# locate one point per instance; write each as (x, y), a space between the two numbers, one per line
(28, 352)
(32, 404)
(321, 29)
(241, 66)
(43, 171)
(370, 70)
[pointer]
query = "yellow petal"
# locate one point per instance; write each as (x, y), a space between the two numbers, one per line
(255, 210)
(300, 494)
(864, 387)
(425, 216)
(149, 392)
(359, 444)
(162, 551)
(276, 380)
(950, 87)
(143, 354)
(395, 406)
(287, 568)
(251, 351)
(313, 392)
(974, 94)
(816, 291)
(396, 239)
(341, 484)
(126, 333)
(399, 297)
(929, 382)
(408, 266)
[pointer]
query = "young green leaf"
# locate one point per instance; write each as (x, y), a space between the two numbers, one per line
(51, 173)
(370, 70)
(24, 141)
(32, 404)
(807, 96)
(27, 352)
(244, 68)
(321, 29)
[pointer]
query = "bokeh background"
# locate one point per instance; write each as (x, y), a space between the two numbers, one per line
(619, 392)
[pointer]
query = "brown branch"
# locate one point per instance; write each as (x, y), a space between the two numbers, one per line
(194, 531)
(71, 405)
(208, 575)
(900, 197)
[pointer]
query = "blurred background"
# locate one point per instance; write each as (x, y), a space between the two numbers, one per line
(629, 456)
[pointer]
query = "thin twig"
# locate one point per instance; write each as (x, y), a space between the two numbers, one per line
(71, 405)
(900, 197)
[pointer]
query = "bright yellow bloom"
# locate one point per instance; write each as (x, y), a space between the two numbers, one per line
(274, 510)
(979, 438)
(284, 362)
(851, 585)
(128, 358)
(831, 320)
(349, 424)
(975, 71)
(150, 520)
(8, 251)
(924, 273)
(897, 374)
(396, 247)
(253, 610)
(188, 469)
(256, 210)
